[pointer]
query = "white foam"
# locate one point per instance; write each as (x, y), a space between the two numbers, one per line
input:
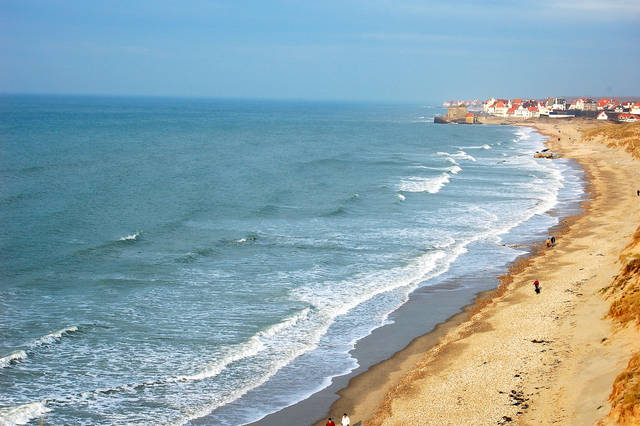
(445, 242)
(523, 133)
(12, 358)
(131, 237)
(485, 146)
(400, 197)
(461, 155)
(423, 184)
(53, 337)
(286, 341)
(236, 353)
(23, 414)
(241, 240)
(455, 169)
(244, 350)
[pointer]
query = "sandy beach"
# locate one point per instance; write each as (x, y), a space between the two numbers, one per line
(527, 358)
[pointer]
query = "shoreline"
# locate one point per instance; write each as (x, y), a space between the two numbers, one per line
(360, 392)
(485, 370)
(385, 373)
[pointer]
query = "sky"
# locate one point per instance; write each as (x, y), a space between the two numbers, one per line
(378, 50)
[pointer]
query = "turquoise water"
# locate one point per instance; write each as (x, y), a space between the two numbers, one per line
(163, 259)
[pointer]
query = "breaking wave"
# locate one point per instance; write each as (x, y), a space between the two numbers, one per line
(455, 169)
(485, 146)
(422, 184)
(12, 358)
(53, 337)
(132, 237)
(460, 155)
(23, 414)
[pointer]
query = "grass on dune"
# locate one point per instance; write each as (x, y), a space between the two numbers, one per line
(625, 309)
(623, 135)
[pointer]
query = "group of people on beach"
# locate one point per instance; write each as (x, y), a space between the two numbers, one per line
(346, 421)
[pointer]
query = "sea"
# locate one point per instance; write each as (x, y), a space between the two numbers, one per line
(166, 259)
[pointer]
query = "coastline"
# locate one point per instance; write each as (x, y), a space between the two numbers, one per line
(507, 356)
(504, 363)
(367, 391)
(361, 392)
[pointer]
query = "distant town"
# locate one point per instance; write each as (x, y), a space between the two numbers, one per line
(602, 109)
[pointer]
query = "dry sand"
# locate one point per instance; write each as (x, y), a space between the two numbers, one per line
(522, 357)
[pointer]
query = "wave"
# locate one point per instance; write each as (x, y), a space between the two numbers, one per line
(132, 237)
(250, 237)
(485, 146)
(290, 353)
(47, 339)
(460, 155)
(455, 169)
(523, 133)
(12, 358)
(282, 336)
(53, 337)
(245, 350)
(400, 197)
(23, 414)
(420, 184)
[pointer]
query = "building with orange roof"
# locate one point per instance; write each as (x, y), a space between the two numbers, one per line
(469, 118)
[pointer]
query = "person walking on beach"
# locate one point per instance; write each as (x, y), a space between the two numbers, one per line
(553, 241)
(346, 421)
(330, 422)
(548, 242)
(536, 284)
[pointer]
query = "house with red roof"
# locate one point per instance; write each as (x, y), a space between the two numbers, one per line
(635, 108)
(488, 104)
(628, 118)
(532, 112)
(500, 109)
(603, 103)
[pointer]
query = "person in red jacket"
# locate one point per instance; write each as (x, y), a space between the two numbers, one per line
(330, 422)
(536, 284)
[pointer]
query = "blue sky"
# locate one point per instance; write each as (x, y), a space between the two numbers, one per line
(416, 51)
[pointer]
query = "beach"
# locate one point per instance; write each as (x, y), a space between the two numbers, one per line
(327, 287)
(520, 356)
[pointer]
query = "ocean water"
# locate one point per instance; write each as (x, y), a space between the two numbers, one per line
(164, 259)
